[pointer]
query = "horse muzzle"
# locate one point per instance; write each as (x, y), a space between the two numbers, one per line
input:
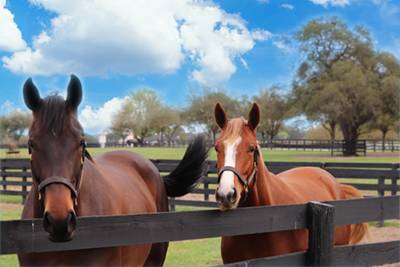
(61, 230)
(227, 201)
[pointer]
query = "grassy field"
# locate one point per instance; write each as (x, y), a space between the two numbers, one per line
(205, 251)
(268, 155)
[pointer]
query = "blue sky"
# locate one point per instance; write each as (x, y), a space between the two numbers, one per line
(172, 47)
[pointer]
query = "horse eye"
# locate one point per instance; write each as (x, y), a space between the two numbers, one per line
(251, 150)
(82, 143)
(216, 149)
(31, 145)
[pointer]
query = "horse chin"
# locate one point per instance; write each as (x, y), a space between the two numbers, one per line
(61, 238)
(228, 208)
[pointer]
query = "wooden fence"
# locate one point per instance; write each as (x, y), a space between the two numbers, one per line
(384, 177)
(25, 236)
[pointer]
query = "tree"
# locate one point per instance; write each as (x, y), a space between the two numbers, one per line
(388, 83)
(274, 111)
(201, 109)
(122, 123)
(165, 120)
(337, 82)
(14, 124)
(141, 106)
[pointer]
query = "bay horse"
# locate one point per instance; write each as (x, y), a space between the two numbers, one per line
(69, 183)
(245, 181)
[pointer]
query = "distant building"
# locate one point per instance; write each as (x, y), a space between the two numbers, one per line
(102, 140)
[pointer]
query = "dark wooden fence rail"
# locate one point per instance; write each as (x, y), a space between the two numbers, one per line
(382, 172)
(24, 236)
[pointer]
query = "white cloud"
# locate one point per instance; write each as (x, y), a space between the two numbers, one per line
(98, 120)
(245, 64)
(7, 105)
(288, 6)
(10, 36)
(325, 3)
(101, 38)
(389, 12)
(282, 46)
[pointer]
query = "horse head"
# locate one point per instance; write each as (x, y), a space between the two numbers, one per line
(237, 153)
(57, 147)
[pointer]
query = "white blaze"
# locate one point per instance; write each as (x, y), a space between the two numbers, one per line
(228, 177)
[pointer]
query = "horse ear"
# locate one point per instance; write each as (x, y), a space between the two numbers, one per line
(254, 116)
(31, 95)
(74, 96)
(220, 116)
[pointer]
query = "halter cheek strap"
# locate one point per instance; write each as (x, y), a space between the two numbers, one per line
(245, 182)
(59, 180)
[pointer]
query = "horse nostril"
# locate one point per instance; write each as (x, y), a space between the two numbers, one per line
(218, 196)
(48, 222)
(232, 195)
(72, 222)
(59, 228)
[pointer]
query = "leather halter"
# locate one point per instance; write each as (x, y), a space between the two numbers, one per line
(59, 180)
(245, 182)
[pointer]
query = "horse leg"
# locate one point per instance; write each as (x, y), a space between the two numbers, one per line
(157, 254)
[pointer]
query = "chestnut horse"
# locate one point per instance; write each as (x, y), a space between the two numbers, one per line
(245, 181)
(68, 183)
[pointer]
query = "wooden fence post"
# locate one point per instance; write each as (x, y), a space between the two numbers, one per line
(394, 179)
(24, 186)
(206, 197)
(171, 206)
(320, 224)
(4, 178)
(381, 193)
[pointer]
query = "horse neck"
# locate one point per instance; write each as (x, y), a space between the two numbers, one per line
(268, 189)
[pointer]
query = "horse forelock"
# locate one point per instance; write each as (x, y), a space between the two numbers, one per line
(54, 117)
(233, 130)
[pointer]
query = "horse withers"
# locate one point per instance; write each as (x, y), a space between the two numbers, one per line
(244, 181)
(69, 183)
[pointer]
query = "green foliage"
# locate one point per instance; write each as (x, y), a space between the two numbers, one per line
(342, 81)
(144, 114)
(14, 124)
(201, 109)
(274, 110)
(90, 139)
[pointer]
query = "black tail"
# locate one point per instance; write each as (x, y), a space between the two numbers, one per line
(185, 177)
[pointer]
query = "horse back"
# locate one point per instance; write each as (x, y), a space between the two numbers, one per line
(130, 179)
(311, 184)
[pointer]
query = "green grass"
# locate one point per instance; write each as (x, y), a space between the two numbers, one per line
(10, 199)
(14, 214)
(9, 260)
(201, 252)
(386, 224)
(268, 155)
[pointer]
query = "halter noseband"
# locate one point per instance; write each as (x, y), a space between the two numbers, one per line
(59, 180)
(245, 182)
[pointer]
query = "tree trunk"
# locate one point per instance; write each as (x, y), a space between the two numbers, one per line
(350, 134)
(383, 140)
